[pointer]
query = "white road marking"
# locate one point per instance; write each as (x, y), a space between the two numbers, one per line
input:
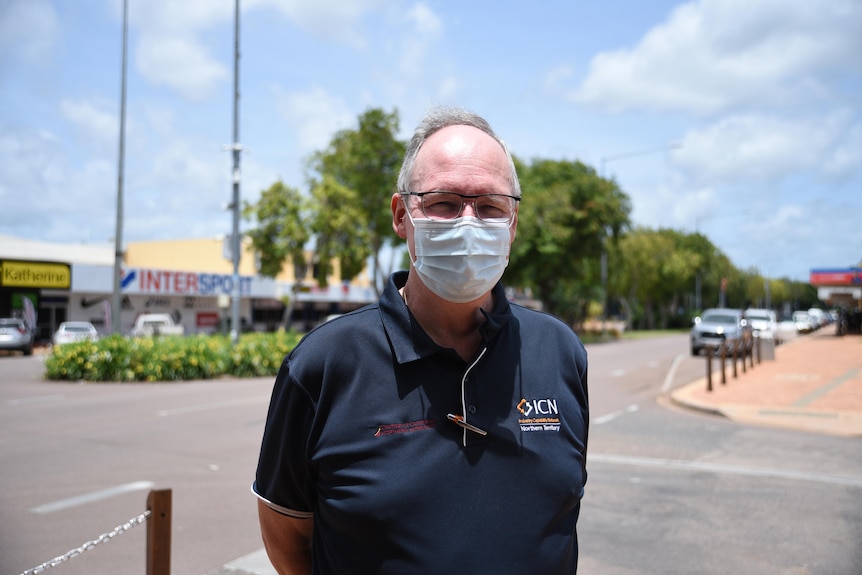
(34, 399)
(615, 414)
(725, 469)
(618, 373)
(91, 497)
(209, 406)
(668, 380)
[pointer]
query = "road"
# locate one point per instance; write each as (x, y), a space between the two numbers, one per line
(669, 491)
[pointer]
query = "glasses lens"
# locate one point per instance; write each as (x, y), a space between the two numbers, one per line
(441, 205)
(495, 208)
(448, 205)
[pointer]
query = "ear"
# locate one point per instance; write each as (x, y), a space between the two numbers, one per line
(513, 229)
(399, 213)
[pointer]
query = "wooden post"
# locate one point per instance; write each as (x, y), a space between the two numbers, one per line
(723, 355)
(734, 361)
(751, 351)
(159, 533)
(708, 368)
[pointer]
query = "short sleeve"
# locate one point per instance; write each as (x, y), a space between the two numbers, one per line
(283, 480)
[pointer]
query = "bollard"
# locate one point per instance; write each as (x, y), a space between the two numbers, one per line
(723, 355)
(734, 362)
(758, 351)
(159, 533)
(708, 368)
(751, 351)
(743, 351)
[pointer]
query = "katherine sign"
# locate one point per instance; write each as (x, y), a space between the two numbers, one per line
(35, 275)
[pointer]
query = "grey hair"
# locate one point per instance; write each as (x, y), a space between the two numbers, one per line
(435, 120)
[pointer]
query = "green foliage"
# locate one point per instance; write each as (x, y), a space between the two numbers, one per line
(282, 228)
(566, 214)
(352, 181)
(171, 358)
(346, 215)
(340, 230)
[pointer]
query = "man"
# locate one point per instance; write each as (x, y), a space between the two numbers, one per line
(443, 429)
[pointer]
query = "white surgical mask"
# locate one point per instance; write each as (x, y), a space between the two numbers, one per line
(460, 259)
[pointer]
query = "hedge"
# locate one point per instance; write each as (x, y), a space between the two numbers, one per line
(169, 358)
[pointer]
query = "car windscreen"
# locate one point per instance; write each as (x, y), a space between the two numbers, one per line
(720, 318)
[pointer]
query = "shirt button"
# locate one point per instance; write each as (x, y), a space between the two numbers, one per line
(471, 409)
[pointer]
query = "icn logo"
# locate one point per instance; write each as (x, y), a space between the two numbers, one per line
(538, 407)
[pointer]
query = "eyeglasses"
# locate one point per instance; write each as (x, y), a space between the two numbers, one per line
(443, 205)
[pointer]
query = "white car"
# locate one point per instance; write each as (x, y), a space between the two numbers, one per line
(804, 322)
(764, 322)
(70, 331)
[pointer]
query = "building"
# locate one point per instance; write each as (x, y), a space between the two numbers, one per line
(838, 287)
(190, 279)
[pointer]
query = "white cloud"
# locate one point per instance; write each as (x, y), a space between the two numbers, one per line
(100, 128)
(315, 116)
(758, 148)
(28, 30)
(712, 55)
(331, 19)
(180, 63)
(36, 174)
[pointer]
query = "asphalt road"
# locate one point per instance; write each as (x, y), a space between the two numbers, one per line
(669, 491)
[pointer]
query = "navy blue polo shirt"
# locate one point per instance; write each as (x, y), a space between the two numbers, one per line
(358, 437)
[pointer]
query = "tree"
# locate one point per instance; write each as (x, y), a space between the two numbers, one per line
(282, 228)
(566, 215)
(351, 182)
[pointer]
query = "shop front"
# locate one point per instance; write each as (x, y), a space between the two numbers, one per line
(36, 291)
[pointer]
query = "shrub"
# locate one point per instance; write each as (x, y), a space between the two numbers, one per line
(170, 358)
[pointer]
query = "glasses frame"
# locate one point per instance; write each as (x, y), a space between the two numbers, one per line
(465, 198)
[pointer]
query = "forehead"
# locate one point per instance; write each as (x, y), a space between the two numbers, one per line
(462, 159)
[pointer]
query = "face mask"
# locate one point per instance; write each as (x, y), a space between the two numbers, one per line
(462, 259)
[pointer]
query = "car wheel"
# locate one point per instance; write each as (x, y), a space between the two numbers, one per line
(28, 350)
(695, 350)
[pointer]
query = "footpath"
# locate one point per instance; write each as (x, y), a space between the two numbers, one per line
(814, 383)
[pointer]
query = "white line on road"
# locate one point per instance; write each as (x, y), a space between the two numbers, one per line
(34, 399)
(668, 380)
(209, 406)
(615, 414)
(91, 497)
(724, 468)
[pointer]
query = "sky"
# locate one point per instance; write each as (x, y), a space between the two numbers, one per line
(737, 119)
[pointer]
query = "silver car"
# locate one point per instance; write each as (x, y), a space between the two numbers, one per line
(15, 336)
(717, 327)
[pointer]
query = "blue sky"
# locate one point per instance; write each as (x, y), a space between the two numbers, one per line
(734, 118)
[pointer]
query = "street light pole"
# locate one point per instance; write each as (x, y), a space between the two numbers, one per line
(235, 240)
(116, 300)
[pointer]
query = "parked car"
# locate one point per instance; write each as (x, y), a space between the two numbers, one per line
(764, 322)
(15, 336)
(154, 324)
(70, 331)
(719, 326)
(804, 322)
(818, 317)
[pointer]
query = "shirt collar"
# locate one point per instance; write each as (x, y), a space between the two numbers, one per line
(409, 341)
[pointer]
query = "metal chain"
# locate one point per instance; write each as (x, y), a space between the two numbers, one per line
(118, 530)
